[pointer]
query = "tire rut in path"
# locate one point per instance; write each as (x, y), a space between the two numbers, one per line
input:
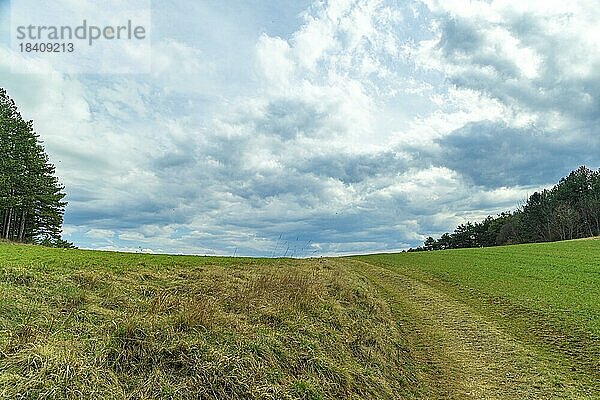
(472, 356)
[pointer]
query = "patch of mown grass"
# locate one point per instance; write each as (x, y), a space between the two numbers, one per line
(545, 294)
(81, 324)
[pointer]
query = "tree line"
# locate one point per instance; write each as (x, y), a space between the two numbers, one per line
(570, 210)
(31, 198)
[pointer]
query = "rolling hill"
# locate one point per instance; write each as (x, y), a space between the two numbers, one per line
(504, 322)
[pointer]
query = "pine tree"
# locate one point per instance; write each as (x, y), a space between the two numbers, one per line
(31, 197)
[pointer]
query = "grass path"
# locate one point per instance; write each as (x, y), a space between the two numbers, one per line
(519, 322)
(463, 353)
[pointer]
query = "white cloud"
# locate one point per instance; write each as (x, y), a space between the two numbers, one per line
(535, 57)
(99, 234)
(274, 60)
(350, 132)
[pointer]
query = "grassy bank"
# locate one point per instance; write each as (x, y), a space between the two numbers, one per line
(119, 326)
(510, 322)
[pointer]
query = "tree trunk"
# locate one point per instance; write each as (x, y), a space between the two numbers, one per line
(8, 223)
(22, 229)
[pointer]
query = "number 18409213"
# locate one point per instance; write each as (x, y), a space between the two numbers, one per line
(47, 47)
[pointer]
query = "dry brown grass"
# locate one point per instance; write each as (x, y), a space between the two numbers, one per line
(130, 327)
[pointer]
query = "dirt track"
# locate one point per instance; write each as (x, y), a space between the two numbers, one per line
(462, 353)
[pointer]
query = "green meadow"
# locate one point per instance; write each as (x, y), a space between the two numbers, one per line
(505, 322)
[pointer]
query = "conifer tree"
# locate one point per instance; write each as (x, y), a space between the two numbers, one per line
(31, 197)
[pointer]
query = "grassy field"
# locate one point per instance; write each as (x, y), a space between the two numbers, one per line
(511, 322)
(506, 322)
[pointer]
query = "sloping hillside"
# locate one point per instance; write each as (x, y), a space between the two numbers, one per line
(505, 322)
(119, 326)
(511, 322)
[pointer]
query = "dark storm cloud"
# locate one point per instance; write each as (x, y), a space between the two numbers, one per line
(349, 168)
(495, 155)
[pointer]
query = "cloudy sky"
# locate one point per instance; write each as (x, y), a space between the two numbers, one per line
(318, 127)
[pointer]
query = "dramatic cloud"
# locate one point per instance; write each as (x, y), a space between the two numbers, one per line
(321, 127)
(539, 58)
(494, 155)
